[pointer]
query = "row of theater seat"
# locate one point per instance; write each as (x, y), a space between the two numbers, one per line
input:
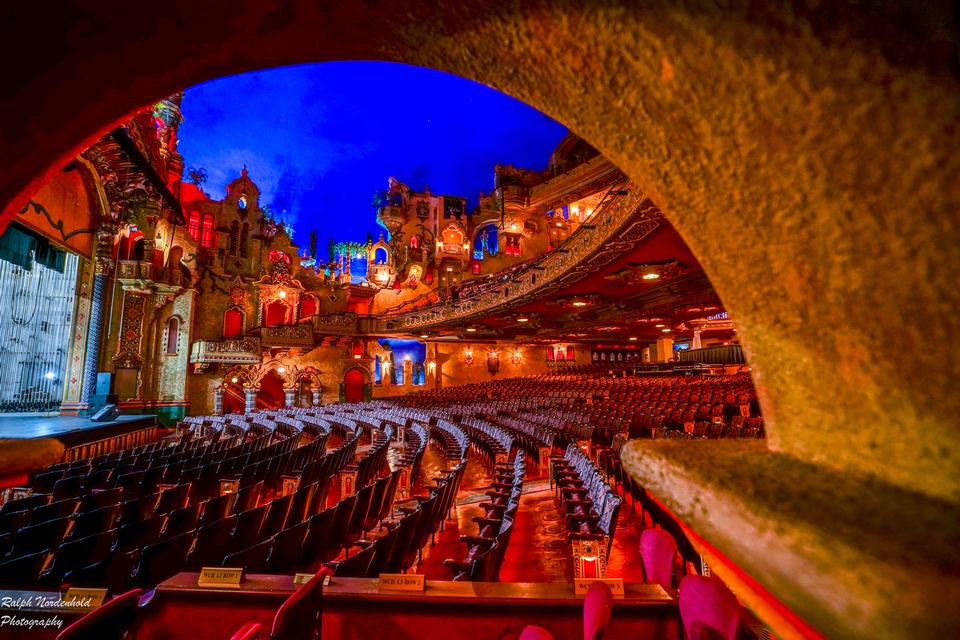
(486, 549)
(589, 505)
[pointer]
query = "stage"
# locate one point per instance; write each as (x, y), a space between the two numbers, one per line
(71, 430)
(31, 442)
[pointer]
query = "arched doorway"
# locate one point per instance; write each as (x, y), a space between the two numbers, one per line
(233, 398)
(270, 395)
(353, 385)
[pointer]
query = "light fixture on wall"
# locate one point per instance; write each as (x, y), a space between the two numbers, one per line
(233, 379)
(357, 356)
(516, 356)
(282, 370)
(282, 293)
(468, 355)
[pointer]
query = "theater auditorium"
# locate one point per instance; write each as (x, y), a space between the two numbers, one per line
(690, 375)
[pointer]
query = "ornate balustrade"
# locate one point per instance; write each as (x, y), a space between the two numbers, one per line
(345, 323)
(287, 335)
(229, 351)
(616, 228)
(134, 270)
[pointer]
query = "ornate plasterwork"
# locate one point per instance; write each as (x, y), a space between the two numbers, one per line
(614, 230)
(131, 331)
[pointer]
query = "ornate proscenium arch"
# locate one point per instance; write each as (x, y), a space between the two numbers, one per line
(783, 141)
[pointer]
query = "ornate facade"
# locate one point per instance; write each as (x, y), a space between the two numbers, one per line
(193, 304)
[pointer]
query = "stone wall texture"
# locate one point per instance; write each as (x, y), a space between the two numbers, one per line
(805, 151)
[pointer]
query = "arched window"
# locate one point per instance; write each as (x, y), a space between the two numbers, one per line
(193, 225)
(138, 249)
(173, 336)
(232, 323)
(233, 243)
(244, 233)
(485, 242)
(207, 236)
(276, 314)
(308, 307)
(414, 242)
(380, 256)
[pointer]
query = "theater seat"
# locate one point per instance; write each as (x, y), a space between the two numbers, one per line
(250, 631)
(660, 558)
(299, 616)
(708, 609)
(108, 622)
(597, 607)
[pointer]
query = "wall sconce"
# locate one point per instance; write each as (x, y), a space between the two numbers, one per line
(516, 356)
(493, 361)
(468, 355)
(282, 293)
(357, 356)
(431, 367)
(282, 370)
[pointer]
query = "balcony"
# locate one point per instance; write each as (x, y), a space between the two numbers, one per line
(287, 335)
(229, 351)
(134, 270)
(392, 217)
(345, 323)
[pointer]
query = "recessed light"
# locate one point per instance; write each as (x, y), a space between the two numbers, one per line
(471, 329)
(665, 330)
(633, 338)
(579, 303)
(523, 319)
(424, 335)
(651, 276)
(659, 325)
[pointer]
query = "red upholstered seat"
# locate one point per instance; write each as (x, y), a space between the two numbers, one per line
(250, 631)
(107, 622)
(660, 558)
(299, 616)
(708, 609)
(597, 607)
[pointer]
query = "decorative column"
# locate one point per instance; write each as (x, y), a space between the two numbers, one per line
(250, 399)
(288, 396)
(316, 397)
(102, 273)
(218, 401)
(696, 344)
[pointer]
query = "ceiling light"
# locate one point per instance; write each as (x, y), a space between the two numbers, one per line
(282, 294)
(651, 276)
(633, 338)
(523, 319)
(471, 329)
(659, 325)
(233, 379)
(282, 370)
(424, 335)
(665, 330)
(579, 303)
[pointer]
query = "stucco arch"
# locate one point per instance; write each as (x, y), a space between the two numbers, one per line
(806, 153)
(755, 130)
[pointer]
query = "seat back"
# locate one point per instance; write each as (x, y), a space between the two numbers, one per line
(660, 558)
(298, 618)
(597, 607)
(108, 622)
(708, 609)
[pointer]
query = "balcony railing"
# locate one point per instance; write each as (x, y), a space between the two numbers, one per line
(134, 270)
(228, 351)
(287, 335)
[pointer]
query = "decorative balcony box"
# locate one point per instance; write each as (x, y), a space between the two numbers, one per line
(230, 351)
